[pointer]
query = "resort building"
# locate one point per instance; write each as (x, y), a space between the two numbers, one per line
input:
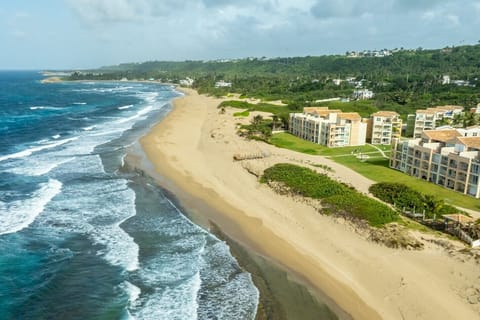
(430, 118)
(383, 126)
(449, 157)
(331, 128)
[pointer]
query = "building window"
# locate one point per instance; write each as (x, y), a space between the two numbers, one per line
(474, 179)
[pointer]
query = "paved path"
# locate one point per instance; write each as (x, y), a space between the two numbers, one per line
(380, 150)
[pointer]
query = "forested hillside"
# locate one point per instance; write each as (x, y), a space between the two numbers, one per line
(404, 81)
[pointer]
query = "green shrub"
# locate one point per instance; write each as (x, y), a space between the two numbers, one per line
(303, 181)
(335, 196)
(357, 205)
(245, 113)
(399, 194)
(402, 196)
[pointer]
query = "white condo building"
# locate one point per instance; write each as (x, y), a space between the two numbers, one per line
(428, 119)
(383, 126)
(331, 128)
(448, 157)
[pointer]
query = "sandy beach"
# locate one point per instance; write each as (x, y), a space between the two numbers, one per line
(193, 148)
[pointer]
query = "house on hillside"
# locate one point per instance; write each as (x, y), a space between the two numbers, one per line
(362, 94)
(222, 84)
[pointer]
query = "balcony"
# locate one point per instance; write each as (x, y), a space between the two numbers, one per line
(463, 166)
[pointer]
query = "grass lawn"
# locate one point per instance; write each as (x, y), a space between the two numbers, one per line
(375, 168)
(288, 141)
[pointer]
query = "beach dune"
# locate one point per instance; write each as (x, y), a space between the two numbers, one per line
(193, 149)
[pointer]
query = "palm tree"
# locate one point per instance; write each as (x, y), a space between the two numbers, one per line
(274, 122)
(433, 205)
(257, 120)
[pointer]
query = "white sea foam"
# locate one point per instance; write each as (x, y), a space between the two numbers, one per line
(133, 297)
(80, 103)
(44, 108)
(56, 136)
(19, 214)
(231, 293)
(139, 114)
(97, 207)
(121, 248)
(28, 152)
(176, 302)
(89, 128)
(125, 107)
(133, 293)
(38, 167)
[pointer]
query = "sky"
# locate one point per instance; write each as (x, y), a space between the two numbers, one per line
(82, 34)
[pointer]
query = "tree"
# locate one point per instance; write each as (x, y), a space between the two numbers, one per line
(274, 122)
(433, 205)
(257, 120)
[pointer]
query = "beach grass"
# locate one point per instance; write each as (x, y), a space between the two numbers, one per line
(336, 197)
(245, 113)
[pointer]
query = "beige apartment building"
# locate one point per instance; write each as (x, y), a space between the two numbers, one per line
(331, 128)
(428, 119)
(449, 157)
(383, 126)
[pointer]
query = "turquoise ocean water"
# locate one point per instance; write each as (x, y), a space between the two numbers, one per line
(82, 239)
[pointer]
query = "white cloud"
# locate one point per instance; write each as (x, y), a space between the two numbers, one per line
(108, 11)
(15, 24)
(453, 19)
(199, 29)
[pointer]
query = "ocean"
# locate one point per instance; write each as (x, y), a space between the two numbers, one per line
(81, 237)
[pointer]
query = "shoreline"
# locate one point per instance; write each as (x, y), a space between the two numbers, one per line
(311, 298)
(191, 151)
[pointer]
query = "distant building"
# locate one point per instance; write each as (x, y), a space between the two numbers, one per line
(222, 84)
(337, 82)
(446, 79)
(450, 158)
(476, 110)
(331, 128)
(462, 83)
(187, 82)
(363, 94)
(429, 119)
(383, 126)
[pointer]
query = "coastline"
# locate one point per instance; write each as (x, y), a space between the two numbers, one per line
(191, 150)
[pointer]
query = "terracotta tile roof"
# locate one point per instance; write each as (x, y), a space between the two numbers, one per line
(470, 142)
(314, 109)
(349, 116)
(441, 135)
(427, 111)
(385, 114)
(439, 109)
(321, 111)
(448, 108)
